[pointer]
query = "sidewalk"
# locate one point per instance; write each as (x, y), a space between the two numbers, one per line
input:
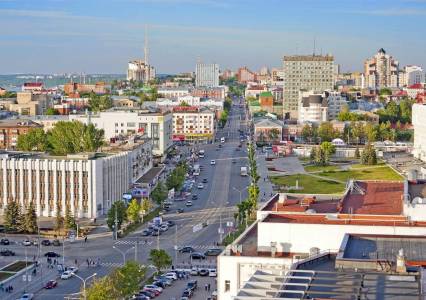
(265, 185)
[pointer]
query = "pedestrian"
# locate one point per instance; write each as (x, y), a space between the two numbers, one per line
(208, 287)
(75, 261)
(11, 288)
(205, 286)
(88, 263)
(85, 239)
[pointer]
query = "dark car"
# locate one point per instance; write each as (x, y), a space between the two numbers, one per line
(51, 284)
(52, 254)
(56, 243)
(187, 293)
(203, 272)
(4, 242)
(7, 252)
(192, 285)
(197, 255)
(186, 249)
(204, 180)
(46, 243)
(170, 223)
(194, 197)
(146, 232)
(159, 283)
(213, 252)
(156, 232)
(147, 293)
(179, 210)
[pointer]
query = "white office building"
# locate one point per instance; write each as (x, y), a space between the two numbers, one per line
(207, 75)
(419, 124)
(320, 107)
(412, 75)
(121, 122)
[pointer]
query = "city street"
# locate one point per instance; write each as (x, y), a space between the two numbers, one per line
(215, 206)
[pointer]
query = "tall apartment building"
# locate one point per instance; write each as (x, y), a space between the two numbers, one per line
(207, 75)
(305, 72)
(138, 70)
(381, 71)
(126, 121)
(411, 75)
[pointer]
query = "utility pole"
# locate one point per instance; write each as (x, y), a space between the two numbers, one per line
(176, 245)
(158, 240)
(136, 249)
(116, 224)
(220, 228)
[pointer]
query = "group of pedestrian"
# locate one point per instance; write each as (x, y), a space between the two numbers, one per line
(92, 263)
(8, 289)
(207, 287)
(51, 263)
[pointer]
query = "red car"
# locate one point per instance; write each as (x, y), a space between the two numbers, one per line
(156, 293)
(51, 284)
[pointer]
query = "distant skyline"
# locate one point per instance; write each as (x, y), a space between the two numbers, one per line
(94, 36)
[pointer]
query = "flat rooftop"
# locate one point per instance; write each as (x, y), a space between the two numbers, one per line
(317, 278)
(150, 175)
(302, 203)
(374, 198)
(385, 247)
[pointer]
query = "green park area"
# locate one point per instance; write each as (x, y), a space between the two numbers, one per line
(332, 179)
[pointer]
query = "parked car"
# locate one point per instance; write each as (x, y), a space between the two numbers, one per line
(186, 249)
(171, 275)
(194, 271)
(66, 275)
(188, 203)
(213, 252)
(51, 284)
(155, 292)
(197, 255)
(156, 233)
(170, 223)
(153, 287)
(7, 252)
(203, 272)
(4, 242)
(187, 293)
(164, 227)
(147, 293)
(46, 243)
(27, 243)
(212, 273)
(52, 254)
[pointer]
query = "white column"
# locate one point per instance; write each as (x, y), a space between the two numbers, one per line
(46, 187)
(5, 182)
(91, 171)
(63, 166)
(13, 177)
(72, 169)
(28, 168)
(40, 211)
(80, 188)
(55, 186)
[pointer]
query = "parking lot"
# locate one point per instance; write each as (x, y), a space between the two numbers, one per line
(175, 291)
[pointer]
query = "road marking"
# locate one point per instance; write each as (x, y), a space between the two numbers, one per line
(111, 264)
(127, 242)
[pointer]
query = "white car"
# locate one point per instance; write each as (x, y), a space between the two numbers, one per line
(164, 227)
(170, 275)
(153, 287)
(26, 243)
(26, 297)
(200, 186)
(212, 162)
(72, 269)
(194, 271)
(212, 273)
(66, 275)
(188, 203)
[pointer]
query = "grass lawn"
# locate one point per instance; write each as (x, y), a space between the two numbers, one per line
(4, 275)
(309, 184)
(361, 166)
(379, 173)
(313, 168)
(17, 266)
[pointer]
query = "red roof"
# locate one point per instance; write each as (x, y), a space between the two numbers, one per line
(416, 86)
(380, 198)
(33, 84)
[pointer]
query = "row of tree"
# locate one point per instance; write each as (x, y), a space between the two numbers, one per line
(131, 212)
(320, 155)
(64, 138)
(355, 133)
(247, 208)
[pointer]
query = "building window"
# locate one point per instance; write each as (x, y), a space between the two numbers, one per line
(227, 285)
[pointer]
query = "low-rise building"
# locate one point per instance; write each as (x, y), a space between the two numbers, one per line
(118, 122)
(97, 88)
(10, 130)
(28, 103)
(33, 87)
(254, 90)
(173, 92)
(2, 91)
(193, 124)
(218, 92)
(293, 228)
(413, 90)
(244, 75)
(268, 130)
(320, 107)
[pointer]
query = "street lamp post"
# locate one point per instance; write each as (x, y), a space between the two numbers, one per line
(84, 282)
(123, 253)
(240, 191)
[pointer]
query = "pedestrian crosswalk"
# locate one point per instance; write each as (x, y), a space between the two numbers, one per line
(133, 242)
(153, 242)
(202, 247)
(111, 264)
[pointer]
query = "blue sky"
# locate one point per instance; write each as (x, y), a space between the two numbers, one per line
(57, 36)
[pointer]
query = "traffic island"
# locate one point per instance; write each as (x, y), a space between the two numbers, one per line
(14, 269)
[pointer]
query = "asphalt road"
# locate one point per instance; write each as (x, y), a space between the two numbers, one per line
(215, 205)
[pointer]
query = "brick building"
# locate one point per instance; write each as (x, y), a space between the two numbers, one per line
(11, 129)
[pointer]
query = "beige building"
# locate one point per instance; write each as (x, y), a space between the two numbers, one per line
(305, 72)
(193, 124)
(138, 70)
(31, 104)
(381, 71)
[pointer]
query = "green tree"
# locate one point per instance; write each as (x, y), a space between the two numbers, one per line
(313, 154)
(34, 140)
(120, 207)
(385, 92)
(69, 220)
(127, 278)
(143, 98)
(357, 154)
(133, 211)
(159, 194)
(12, 216)
(59, 220)
(368, 156)
(274, 134)
(160, 259)
(51, 111)
(99, 103)
(102, 289)
(154, 94)
(370, 132)
(307, 133)
(326, 132)
(328, 149)
(145, 205)
(92, 138)
(30, 219)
